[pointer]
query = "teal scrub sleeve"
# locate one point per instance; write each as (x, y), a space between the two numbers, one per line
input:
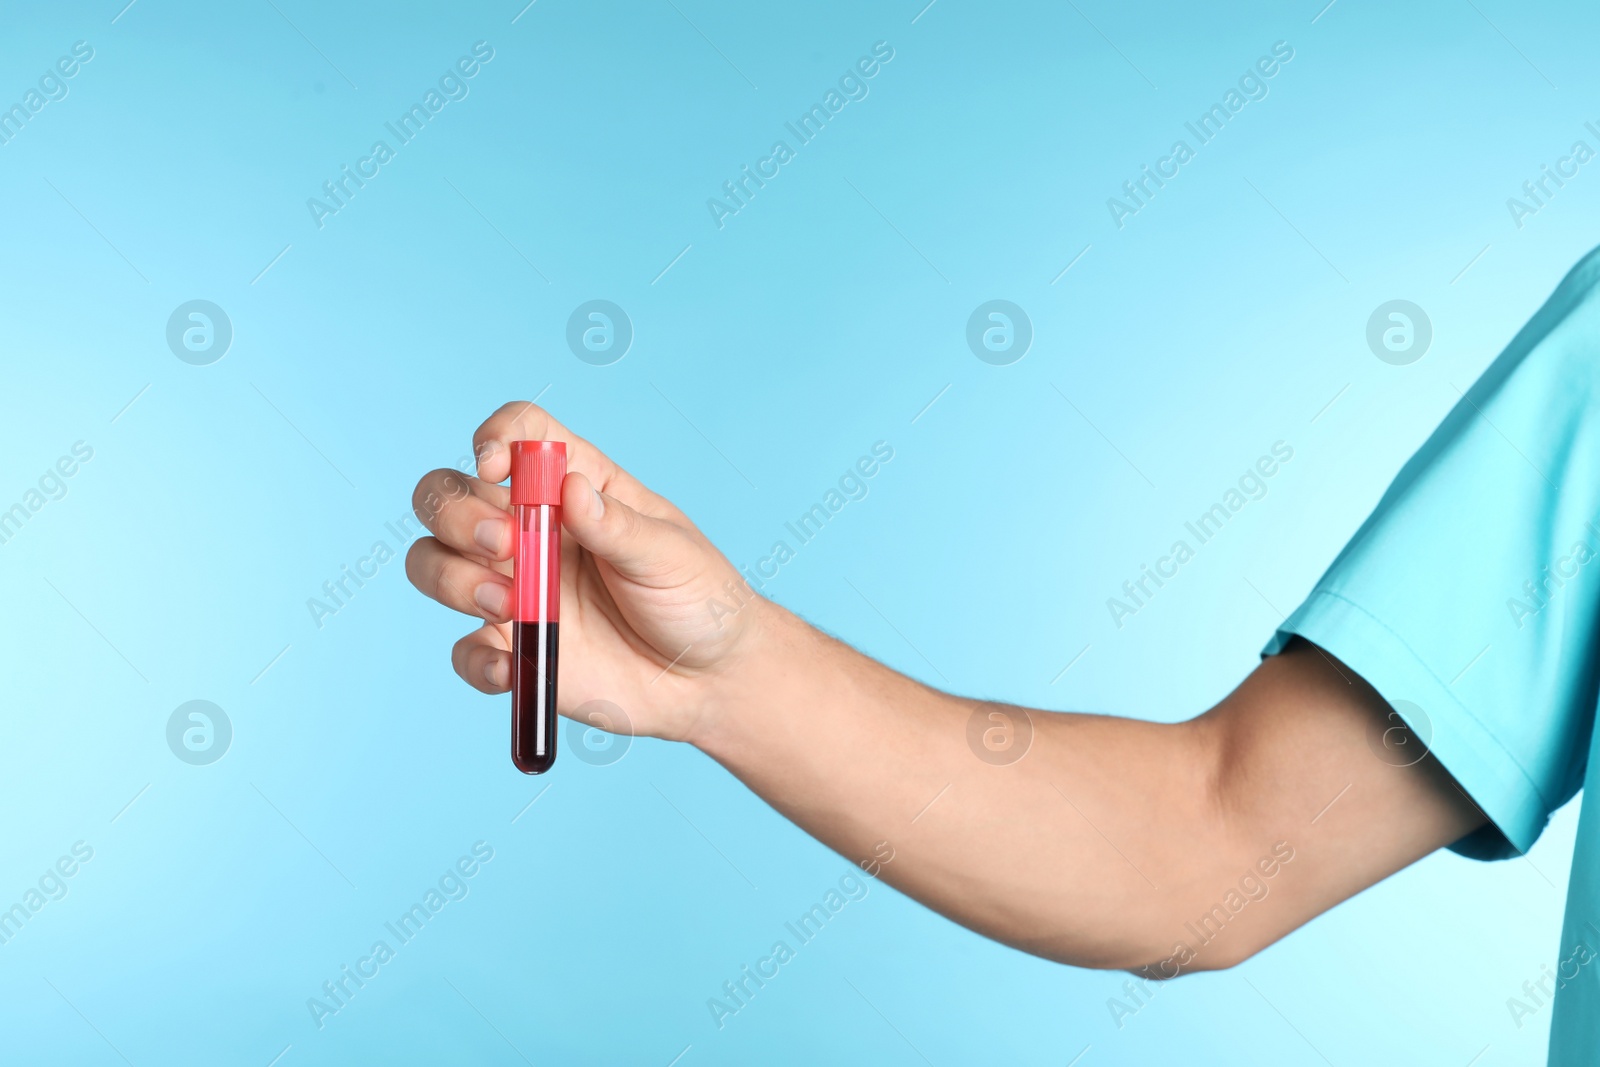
(1470, 597)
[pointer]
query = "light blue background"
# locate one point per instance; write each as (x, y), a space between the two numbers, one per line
(825, 316)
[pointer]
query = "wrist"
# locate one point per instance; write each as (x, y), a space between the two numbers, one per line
(758, 673)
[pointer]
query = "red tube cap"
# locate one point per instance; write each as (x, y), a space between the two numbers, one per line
(537, 468)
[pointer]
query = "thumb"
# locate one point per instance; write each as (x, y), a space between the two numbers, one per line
(638, 546)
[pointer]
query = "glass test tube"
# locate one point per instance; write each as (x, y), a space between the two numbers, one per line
(537, 469)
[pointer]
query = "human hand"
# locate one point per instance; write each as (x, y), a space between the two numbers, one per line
(651, 613)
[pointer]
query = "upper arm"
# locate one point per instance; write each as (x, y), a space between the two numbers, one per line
(1468, 600)
(1315, 780)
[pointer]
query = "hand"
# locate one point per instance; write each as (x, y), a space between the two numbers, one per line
(651, 612)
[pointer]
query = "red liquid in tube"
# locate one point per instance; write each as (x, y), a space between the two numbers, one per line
(537, 468)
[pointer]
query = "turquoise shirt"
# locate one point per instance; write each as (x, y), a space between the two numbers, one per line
(1470, 599)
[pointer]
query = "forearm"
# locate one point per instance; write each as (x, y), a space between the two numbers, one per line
(1082, 850)
(1112, 842)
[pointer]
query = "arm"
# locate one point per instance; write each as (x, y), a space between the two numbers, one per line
(1109, 835)
(1107, 845)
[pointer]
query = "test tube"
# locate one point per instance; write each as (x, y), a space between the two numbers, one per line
(537, 469)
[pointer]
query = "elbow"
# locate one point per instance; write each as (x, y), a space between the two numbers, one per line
(1187, 959)
(1189, 947)
(1185, 936)
(1218, 940)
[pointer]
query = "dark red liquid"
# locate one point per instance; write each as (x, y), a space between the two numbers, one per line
(533, 697)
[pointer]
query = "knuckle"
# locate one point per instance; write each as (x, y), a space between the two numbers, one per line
(629, 523)
(441, 581)
(514, 409)
(455, 486)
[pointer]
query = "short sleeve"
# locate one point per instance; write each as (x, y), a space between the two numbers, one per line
(1470, 597)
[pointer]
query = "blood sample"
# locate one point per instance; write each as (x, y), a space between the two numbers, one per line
(537, 468)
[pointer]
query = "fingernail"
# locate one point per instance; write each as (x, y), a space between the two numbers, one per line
(490, 535)
(597, 504)
(494, 672)
(491, 597)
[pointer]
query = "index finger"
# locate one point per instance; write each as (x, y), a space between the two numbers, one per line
(523, 420)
